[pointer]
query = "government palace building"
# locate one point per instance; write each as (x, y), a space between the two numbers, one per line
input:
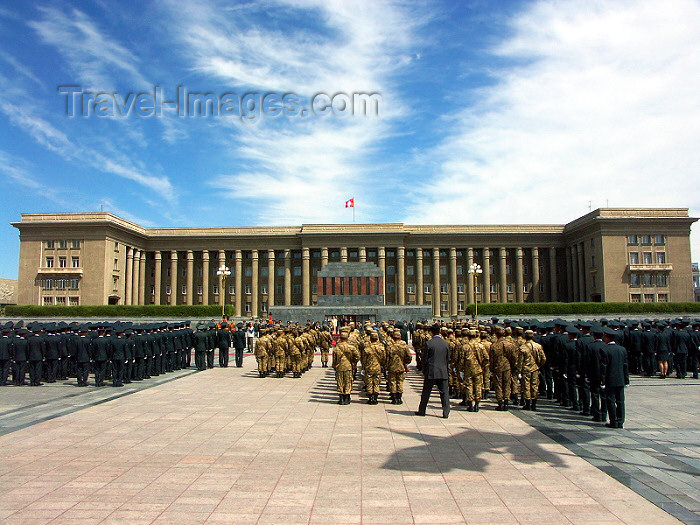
(609, 254)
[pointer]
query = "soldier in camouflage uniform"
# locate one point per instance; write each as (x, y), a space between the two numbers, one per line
(279, 348)
(345, 356)
(500, 359)
(486, 367)
(372, 357)
(262, 349)
(470, 367)
(398, 357)
(326, 341)
(531, 358)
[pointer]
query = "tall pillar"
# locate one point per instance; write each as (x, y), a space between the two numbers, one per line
(238, 255)
(222, 281)
(486, 293)
(581, 273)
(553, 296)
(190, 277)
(381, 255)
(158, 270)
(363, 254)
(570, 276)
(453, 281)
(400, 275)
(173, 277)
(324, 257)
(437, 296)
(270, 279)
(519, 278)
(419, 276)
(470, 285)
(205, 277)
(256, 289)
(142, 278)
(135, 277)
(287, 277)
(344, 254)
(503, 280)
(536, 275)
(305, 277)
(129, 275)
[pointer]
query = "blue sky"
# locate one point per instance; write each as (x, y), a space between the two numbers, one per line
(492, 112)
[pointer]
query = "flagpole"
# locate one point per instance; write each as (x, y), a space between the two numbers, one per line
(353, 211)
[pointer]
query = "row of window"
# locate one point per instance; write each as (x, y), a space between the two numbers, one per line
(648, 279)
(50, 262)
(659, 240)
(62, 244)
(649, 298)
(59, 284)
(647, 258)
(61, 301)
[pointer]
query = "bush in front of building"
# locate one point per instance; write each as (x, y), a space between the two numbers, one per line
(116, 311)
(582, 308)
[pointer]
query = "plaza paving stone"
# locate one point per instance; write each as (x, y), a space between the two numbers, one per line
(224, 446)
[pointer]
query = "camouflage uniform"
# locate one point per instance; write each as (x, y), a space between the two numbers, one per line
(261, 354)
(531, 358)
(500, 358)
(398, 356)
(372, 357)
(345, 356)
(279, 347)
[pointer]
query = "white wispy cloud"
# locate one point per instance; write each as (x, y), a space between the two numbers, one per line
(598, 103)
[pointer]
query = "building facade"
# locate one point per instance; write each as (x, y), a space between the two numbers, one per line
(606, 255)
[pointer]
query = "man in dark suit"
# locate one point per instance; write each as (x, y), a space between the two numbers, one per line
(239, 343)
(435, 358)
(615, 376)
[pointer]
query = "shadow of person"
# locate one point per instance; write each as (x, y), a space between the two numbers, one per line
(470, 450)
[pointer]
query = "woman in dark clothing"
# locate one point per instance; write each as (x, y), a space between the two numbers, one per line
(663, 350)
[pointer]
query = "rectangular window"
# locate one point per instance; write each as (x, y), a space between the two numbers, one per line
(661, 257)
(49, 245)
(410, 270)
(443, 269)
(443, 306)
(460, 287)
(75, 262)
(215, 289)
(426, 269)
(634, 279)
(335, 254)
(116, 264)
(316, 254)
(116, 246)
(353, 254)
(526, 269)
(62, 262)
(62, 245)
(200, 289)
(264, 271)
(444, 288)
(661, 279)
(73, 283)
(168, 290)
(263, 289)
(48, 301)
(371, 254)
(167, 271)
(184, 271)
(248, 307)
(73, 301)
(509, 269)
(60, 301)
(280, 271)
(390, 253)
(632, 239)
(648, 297)
(248, 271)
(592, 260)
(492, 269)
(634, 257)
(460, 270)
(660, 240)
(153, 290)
(526, 288)
(460, 306)
(296, 289)
(296, 255)
(541, 287)
(115, 283)
(263, 306)
(184, 289)
(390, 270)
(60, 284)
(280, 289)
(636, 298)
(493, 288)
(390, 288)
(646, 239)
(662, 297)
(410, 288)
(248, 289)
(594, 282)
(297, 271)
(314, 288)
(646, 258)
(428, 288)
(75, 244)
(646, 279)
(200, 271)
(49, 262)
(509, 287)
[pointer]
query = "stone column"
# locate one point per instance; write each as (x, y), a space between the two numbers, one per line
(400, 275)
(570, 275)
(142, 278)
(305, 277)
(255, 288)
(470, 285)
(129, 275)
(270, 279)
(222, 282)
(419, 276)
(581, 273)
(344, 254)
(173, 277)
(287, 277)
(486, 292)
(238, 283)
(453, 281)
(135, 277)
(324, 257)
(158, 270)
(437, 296)
(205, 277)
(536, 275)
(553, 296)
(519, 278)
(363, 254)
(189, 298)
(503, 280)
(381, 254)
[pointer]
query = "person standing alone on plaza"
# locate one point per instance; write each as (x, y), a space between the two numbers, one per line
(435, 358)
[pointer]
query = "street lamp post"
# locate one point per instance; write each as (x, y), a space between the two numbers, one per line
(223, 272)
(475, 270)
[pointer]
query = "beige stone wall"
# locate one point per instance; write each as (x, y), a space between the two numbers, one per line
(8, 291)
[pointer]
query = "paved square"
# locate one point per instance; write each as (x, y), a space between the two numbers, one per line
(223, 446)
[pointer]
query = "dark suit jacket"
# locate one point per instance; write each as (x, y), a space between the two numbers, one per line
(614, 366)
(436, 357)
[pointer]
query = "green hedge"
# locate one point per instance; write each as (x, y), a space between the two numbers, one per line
(582, 308)
(213, 311)
(117, 311)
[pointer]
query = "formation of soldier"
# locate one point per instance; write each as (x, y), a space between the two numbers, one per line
(281, 350)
